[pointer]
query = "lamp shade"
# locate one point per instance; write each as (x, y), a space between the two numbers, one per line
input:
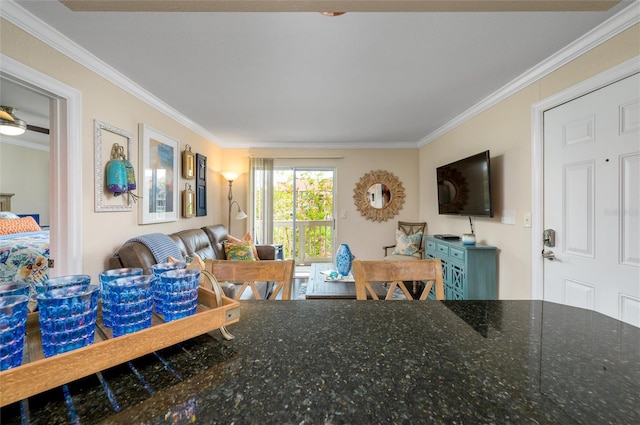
(230, 175)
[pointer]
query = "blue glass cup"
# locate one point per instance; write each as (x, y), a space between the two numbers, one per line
(179, 293)
(63, 281)
(131, 300)
(14, 288)
(13, 318)
(108, 276)
(68, 318)
(157, 270)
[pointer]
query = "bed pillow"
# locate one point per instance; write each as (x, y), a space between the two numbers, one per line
(18, 225)
(407, 244)
(8, 214)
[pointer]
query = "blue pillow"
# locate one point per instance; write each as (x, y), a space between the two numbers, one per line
(407, 244)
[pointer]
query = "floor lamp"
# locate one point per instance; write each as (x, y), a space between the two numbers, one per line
(240, 215)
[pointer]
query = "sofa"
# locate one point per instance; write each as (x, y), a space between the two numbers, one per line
(205, 242)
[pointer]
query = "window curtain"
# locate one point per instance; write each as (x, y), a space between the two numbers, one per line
(261, 199)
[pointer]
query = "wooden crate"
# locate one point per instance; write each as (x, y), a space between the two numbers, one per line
(38, 374)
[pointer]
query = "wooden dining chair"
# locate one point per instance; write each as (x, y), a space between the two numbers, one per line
(397, 273)
(247, 273)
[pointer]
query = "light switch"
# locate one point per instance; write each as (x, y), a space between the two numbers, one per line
(343, 213)
(527, 219)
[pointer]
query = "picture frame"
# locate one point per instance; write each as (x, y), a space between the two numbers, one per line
(104, 137)
(158, 176)
(201, 185)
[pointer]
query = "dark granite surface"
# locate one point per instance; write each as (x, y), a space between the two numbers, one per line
(357, 362)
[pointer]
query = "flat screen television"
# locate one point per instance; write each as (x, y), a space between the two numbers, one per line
(464, 186)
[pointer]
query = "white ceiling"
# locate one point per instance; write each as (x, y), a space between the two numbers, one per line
(302, 79)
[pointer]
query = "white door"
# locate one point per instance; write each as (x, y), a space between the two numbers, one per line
(592, 201)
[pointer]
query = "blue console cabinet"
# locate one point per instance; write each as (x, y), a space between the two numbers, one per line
(469, 271)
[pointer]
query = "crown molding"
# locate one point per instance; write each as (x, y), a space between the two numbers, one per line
(39, 29)
(18, 16)
(603, 32)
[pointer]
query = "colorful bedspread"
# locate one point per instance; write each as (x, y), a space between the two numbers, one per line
(24, 258)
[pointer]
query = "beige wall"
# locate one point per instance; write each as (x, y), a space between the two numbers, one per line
(365, 237)
(104, 232)
(505, 129)
(25, 172)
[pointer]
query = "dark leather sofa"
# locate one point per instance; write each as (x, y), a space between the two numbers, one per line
(206, 242)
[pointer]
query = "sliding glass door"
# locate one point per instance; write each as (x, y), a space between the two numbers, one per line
(303, 213)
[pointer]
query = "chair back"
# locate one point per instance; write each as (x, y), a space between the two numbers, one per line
(397, 272)
(410, 228)
(247, 273)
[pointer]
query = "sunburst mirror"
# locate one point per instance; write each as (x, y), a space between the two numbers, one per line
(379, 195)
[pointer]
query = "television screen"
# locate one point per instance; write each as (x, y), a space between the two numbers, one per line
(464, 186)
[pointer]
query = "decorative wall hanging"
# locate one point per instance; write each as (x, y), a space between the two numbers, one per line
(188, 163)
(201, 185)
(188, 201)
(158, 176)
(379, 195)
(105, 139)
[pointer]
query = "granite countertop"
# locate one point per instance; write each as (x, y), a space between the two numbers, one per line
(346, 362)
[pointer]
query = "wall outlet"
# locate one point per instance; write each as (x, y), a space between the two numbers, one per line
(527, 219)
(343, 214)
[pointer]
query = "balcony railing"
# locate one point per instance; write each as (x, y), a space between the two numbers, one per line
(314, 240)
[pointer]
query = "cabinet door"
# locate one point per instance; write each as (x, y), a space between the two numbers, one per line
(457, 280)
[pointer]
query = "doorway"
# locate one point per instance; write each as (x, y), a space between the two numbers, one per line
(576, 238)
(65, 184)
(303, 213)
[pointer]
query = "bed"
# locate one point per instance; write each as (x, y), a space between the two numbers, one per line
(24, 251)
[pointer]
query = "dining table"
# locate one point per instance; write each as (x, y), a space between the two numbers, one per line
(371, 362)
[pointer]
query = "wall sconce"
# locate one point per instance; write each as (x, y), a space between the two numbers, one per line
(188, 201)
(240, 215)
(188, 163)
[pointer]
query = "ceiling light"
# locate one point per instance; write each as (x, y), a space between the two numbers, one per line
(333, 13)
(11, 125)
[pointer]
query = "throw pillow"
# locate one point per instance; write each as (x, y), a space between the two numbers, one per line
(407, 244)
(242, 250)
(247, 238)
(18, 225)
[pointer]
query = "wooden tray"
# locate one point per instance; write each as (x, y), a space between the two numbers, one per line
(38, 374)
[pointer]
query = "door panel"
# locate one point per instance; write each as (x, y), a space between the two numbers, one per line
(578, 211)
(591, 199)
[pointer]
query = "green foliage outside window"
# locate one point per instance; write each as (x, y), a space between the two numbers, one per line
(314, 201)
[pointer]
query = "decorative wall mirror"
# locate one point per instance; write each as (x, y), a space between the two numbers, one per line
(379, 195)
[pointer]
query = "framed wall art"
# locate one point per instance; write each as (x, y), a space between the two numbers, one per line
(158, 176)
(105, 136)
(201, 185)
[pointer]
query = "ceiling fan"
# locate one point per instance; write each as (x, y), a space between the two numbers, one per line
(11, 125)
